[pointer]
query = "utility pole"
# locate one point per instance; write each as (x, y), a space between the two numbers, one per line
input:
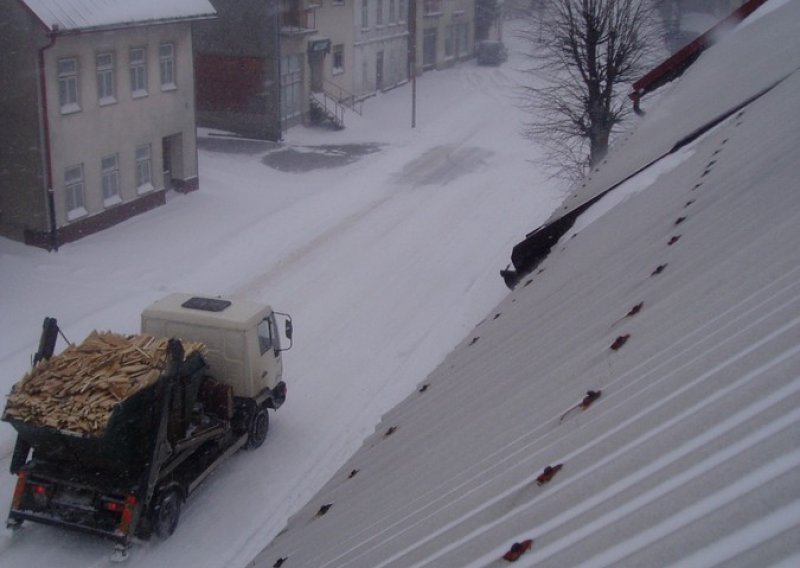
(412, 57)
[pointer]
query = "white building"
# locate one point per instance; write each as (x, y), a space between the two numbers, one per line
(445, 32)
(97, 111)
(369, 46)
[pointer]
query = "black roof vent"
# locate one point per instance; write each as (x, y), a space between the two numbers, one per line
(206, 304)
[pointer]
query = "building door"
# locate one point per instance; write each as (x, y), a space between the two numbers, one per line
(429, 48)
(166, 161)
(291, 87)
(172, 161)
(379, 71)
(315, 62)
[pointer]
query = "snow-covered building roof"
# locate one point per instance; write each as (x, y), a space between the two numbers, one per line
(73, 15)
(676, 297)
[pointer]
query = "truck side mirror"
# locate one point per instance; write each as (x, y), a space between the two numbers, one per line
(288, 329)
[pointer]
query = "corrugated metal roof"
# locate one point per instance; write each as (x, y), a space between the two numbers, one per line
(87, 14)
(690, 457)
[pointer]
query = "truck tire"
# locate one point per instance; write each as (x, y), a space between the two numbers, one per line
(167, 513)
(259, 426)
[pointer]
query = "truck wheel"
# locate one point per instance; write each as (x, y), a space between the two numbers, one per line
(167, 513)
(259, 426)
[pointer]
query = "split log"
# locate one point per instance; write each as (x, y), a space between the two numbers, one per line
(78, 389)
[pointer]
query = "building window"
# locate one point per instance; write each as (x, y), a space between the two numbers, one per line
(364, 14)
(392, 11)
(144, 169)
(166, 54)
(429, 48)
(379, 12)
(74, 191)
(68, 85)
(449, 38)
(138, 65)
(463, 40)
(291, 86)
(105, 78)
(433, 7)
(338, 59)
(110, 168)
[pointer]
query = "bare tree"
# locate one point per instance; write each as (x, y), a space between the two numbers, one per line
(583, 53)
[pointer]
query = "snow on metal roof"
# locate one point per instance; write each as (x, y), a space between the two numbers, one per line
(695, 101)
(87, 14)
(677, 298)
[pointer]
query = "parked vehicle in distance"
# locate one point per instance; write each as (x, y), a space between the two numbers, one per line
(491, 52)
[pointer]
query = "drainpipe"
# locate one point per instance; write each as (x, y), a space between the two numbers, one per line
(46, 139)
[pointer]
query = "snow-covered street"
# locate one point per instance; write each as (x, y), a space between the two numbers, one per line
(384, 262)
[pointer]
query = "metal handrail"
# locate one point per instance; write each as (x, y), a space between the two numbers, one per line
(343, 96)
(331, 107)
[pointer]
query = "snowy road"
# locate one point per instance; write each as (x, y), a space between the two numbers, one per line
(385, 263)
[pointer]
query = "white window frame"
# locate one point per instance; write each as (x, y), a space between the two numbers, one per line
(104, 64)
(432, 7)
(137, 63)
(68, 92)
(166, 57)
(74, 192)
(109, 166)
(144, 169)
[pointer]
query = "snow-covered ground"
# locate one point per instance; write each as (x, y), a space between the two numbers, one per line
(385, 263)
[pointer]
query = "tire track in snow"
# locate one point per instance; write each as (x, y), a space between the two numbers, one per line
(252, 543)
(406, 176)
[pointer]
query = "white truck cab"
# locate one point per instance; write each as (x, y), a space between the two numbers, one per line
(242, 337)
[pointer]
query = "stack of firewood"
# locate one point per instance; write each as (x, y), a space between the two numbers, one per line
(78, 389)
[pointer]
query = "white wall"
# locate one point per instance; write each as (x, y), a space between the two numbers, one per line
(98, 130)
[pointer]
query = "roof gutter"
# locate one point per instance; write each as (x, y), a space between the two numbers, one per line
(136, 24)
(48, 158)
